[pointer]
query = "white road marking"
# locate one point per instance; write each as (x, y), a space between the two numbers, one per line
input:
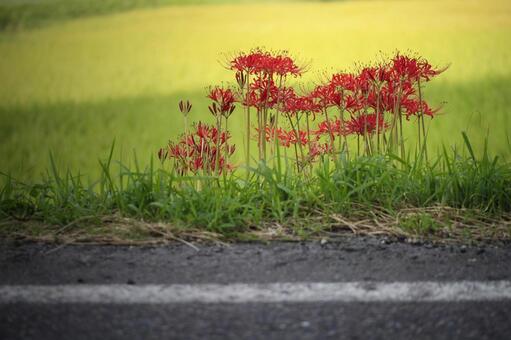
(259, 293)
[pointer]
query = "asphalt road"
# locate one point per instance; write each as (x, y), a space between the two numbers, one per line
(363, 260)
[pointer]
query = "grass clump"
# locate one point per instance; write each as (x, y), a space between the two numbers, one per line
(421, 223)
(454, 197)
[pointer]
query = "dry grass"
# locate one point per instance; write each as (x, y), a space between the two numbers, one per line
(439, 224)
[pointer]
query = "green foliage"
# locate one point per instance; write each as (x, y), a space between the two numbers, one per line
(419, 223)
(233, 203)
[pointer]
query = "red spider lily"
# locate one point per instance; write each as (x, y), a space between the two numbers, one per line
(335, 126)
(389, 97)
(283, 65)
(325, 96)
(427, 71)
(365, 79)
(414, 107)
(298, 137)
(249, 63)
(287, 138)
(177, 151)
(345, 81)
(405, 67)
(315, 149)
(334, 95)
(318, 149)
(372, 74)
(263, 93)
(259, 61)
(198, 151)
(223, 101)
(281, 136)
(413, 69)
(366, 124)
(292, 103)
(287, 94)
(363, 90)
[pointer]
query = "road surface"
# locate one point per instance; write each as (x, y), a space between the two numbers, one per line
(354, 288)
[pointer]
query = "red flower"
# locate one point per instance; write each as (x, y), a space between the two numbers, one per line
(334, 125)
(223, 101)
(318, 149)
(365, 123)
(249, 63)
(281, 136)
(412, 107)
(325, 96)
(344, 81)
(299, 137)
(198, 150)
(284, 65)
(263, 93)
(259, 61)
(413, 69)
(333, 94)
(286, 138)
(292, 103)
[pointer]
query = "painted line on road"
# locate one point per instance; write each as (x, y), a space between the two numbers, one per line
(259, 293)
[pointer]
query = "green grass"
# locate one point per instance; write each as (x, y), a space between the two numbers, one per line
(456, 196)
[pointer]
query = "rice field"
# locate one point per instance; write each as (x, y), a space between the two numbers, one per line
(74, 86)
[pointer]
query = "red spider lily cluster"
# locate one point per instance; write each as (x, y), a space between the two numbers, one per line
(365, 109)
(261, 76)
(205, 150)
(369, 104)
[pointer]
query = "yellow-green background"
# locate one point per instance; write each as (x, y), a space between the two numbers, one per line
(71, 86)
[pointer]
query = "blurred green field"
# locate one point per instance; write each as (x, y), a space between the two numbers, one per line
(16, 14)
(73, 86)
